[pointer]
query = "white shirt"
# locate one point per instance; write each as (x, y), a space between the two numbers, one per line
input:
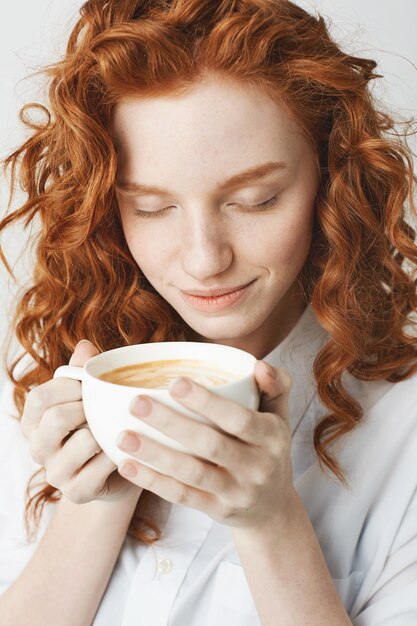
(193, 576)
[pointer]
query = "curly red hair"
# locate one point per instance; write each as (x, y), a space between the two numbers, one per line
(360, 273)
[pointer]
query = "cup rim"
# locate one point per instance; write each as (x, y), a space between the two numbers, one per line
(249, 358)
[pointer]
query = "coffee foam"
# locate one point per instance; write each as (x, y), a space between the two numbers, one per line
(159, 374)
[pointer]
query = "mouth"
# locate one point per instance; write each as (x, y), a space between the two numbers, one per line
(214, 293)
(215, 300)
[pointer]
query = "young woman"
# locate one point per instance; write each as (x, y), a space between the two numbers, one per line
(215, 172)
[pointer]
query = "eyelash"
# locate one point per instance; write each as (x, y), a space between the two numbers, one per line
(249, 208)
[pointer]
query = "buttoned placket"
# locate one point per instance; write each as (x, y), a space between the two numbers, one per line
(163, 567)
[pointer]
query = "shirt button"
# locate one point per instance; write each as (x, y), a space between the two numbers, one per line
(164, 566)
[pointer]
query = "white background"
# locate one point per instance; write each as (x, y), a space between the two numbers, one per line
(34, 33)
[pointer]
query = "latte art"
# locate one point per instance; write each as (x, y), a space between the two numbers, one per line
(159, 374)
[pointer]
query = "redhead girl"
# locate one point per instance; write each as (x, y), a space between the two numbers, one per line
(192, 150)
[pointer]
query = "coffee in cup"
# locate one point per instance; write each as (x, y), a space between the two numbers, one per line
(160, 374)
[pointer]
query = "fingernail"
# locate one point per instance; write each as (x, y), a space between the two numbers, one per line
(128, 469)
(141, 407)
(271, 370)
(82, 341)
(128, 442)
(181, 387)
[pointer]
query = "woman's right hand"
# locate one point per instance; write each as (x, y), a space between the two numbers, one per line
(54, 422)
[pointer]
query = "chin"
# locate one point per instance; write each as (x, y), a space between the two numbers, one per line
(220, 328)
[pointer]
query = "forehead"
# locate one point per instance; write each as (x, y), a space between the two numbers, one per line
(215, 128)
(215, 108)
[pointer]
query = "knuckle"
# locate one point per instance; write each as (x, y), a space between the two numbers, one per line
(95, 447)
(222, 481)
(53, 477)
(88, 442)
(37, 403)
(197, 472)
(286, 380)
(278, 446)
(248, 499)
(260, 475)
(213, 444)
(268, 464)
(36, 451)
(150, 480)
(227, 512)
(204, 399)
(36, 399)
(77, 494)
(181, 493)
(98, 490)
(53, 413)
(267, 426)
(57, 420)
(244, 425)
(37, 457)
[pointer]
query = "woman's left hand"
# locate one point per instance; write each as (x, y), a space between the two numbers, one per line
(243, 475)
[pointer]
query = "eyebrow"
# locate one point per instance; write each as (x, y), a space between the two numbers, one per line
(247, 176)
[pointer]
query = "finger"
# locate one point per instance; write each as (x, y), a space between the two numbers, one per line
(56, 390)
(56, 424)
(179, 465)
(83, 351)
(170, 489)
(68, 461)
(41, 398)
(230, 416)
(97, 479)
(115, 486)
(202, 440)
(275, 385)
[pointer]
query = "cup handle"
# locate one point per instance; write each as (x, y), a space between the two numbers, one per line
(70, 371)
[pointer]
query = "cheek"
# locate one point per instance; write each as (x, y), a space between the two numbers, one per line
(285, 244)
(296, 242)
(143, 245)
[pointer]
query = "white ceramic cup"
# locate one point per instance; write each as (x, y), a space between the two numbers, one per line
(106, 405)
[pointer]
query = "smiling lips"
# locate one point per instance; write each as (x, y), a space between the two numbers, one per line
(216, 299)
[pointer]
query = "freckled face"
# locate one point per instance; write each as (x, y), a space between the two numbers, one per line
(199, 233)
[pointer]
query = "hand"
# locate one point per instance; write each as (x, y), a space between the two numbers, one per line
(241, 473)
(54, 422)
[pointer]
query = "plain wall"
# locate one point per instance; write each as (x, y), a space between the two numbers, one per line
(33, 34)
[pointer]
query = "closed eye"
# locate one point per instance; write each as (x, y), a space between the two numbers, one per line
(246, 207)
(262, 205)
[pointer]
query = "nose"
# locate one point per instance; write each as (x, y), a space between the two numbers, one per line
(206, 247)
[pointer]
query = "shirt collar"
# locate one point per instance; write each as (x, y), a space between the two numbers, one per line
(296, 354)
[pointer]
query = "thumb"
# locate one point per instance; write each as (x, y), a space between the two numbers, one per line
(83, 351)
(275, 384)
